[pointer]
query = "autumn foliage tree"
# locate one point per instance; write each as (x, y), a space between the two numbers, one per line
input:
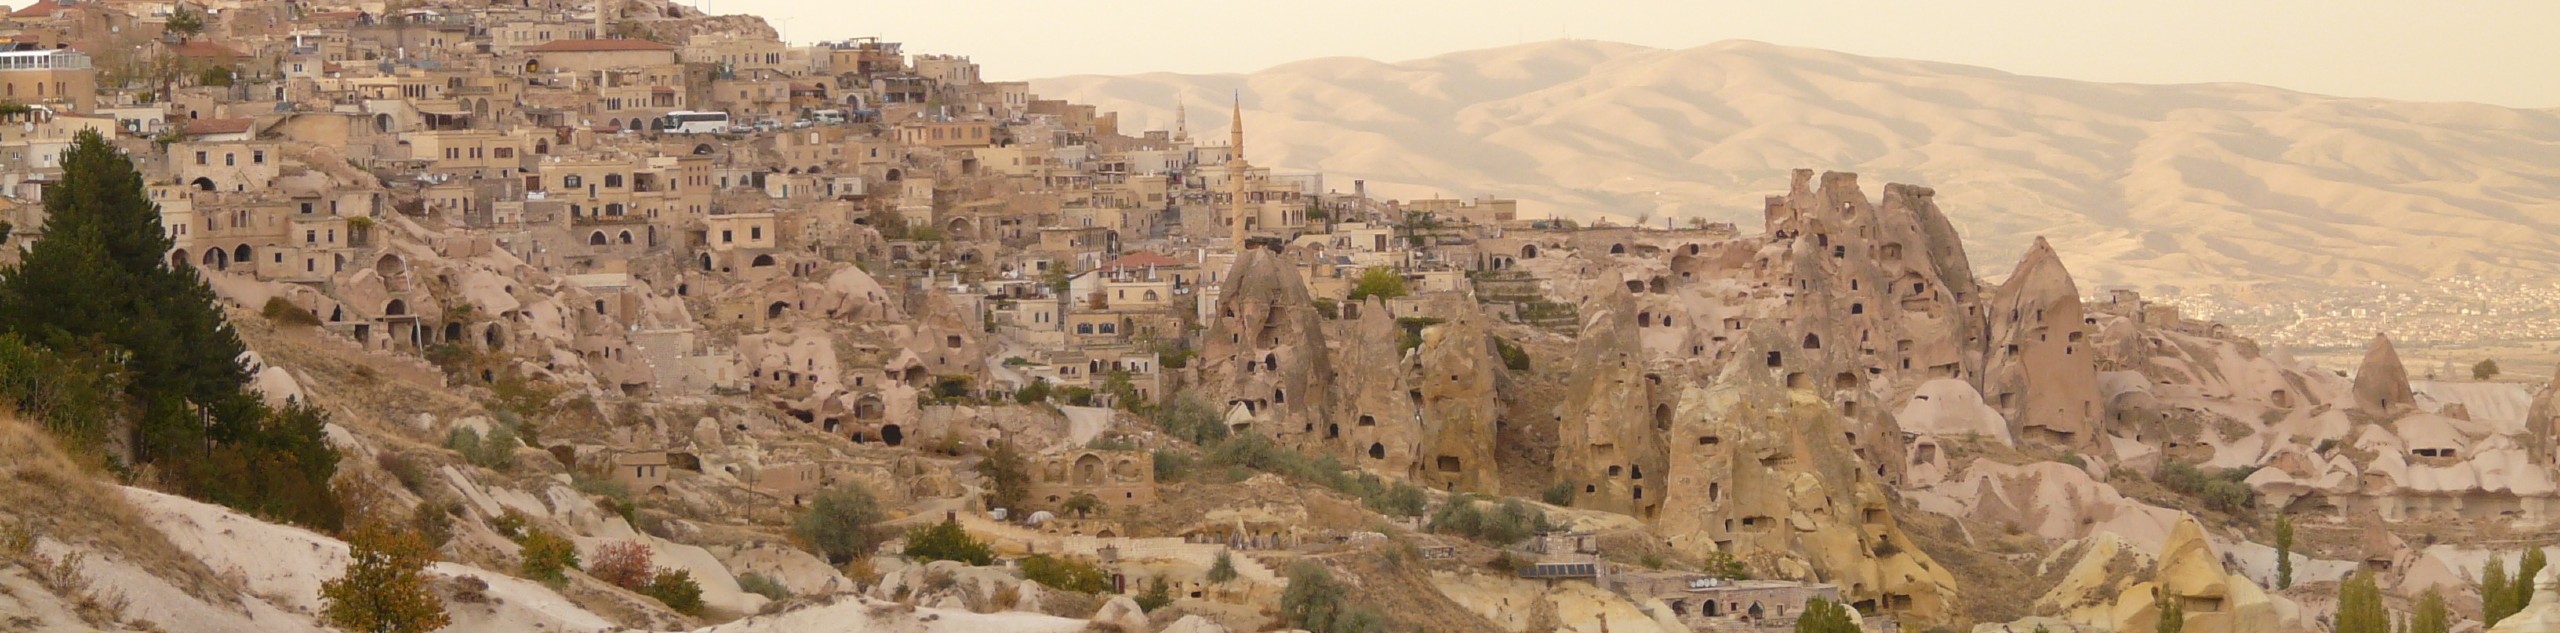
(384, 589)
(625, 564)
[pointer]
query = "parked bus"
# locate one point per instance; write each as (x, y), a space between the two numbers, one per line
(694, 122)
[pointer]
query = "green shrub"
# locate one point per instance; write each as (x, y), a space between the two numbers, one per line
(1722, 564)
(839, 523)
(1066, 575)
(547, 556)
(1560, 494)
(496, 452)
(1158, 594)
(1403, 500)
(676, 589)
(1171, 465)
(763, 585)
(411, 475)
(509, 524)
(1034, 393)
(284, 312)
(1317, 603)
(1192, 419)
(1510, 522)
(947, 541)
(1513, 357)
(1223, 569)
(434, 521)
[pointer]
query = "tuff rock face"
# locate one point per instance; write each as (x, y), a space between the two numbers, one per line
(2542, 420)
(1456, 370)
(2041, 374)
(1355, 393)
(1266, 352)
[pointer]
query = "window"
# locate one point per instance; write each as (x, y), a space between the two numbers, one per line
(229, 159)
(755, 232)
(258, 157)
(725, 236)
(572, 181)
(200, 158)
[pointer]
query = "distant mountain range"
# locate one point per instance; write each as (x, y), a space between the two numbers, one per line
(2228, 187)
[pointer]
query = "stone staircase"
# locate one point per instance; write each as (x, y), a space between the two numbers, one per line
(1527, 297)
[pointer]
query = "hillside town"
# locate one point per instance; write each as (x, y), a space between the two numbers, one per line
(622, 274)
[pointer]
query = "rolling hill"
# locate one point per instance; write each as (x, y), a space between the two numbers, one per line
(2228, 187)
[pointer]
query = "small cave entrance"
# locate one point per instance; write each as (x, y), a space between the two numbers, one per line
(892, 435)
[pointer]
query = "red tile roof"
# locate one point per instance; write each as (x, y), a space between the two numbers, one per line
(41, 9)
(599, 46)
(202, 127)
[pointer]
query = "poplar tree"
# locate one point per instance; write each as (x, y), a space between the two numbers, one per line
(2360, 606)
(2431, 615)
(2284, 552)
(2496, 599)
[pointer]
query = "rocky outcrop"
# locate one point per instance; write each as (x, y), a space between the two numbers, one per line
(2542, 421)
(1612, 433)
(2095, 593)
(1455, 370)
(1266, 352)
(2039, 367)
(2382, 383)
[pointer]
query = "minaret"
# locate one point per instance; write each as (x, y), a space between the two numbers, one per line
(1181, 123)
(1235, 173)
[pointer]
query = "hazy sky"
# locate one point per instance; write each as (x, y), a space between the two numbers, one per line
(2492, 51)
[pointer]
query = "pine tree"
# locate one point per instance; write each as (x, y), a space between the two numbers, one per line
(2173, 616)
(2431, 615)
(2495, 597)
(99, 285)
(384, 589)
(2360, 606)
(2284, 552)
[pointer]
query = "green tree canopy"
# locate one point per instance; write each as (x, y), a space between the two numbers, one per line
(1380, 282)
